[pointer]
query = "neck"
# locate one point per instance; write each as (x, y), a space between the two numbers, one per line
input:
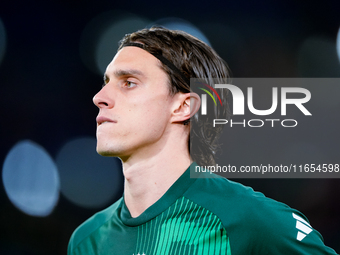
(147, 179)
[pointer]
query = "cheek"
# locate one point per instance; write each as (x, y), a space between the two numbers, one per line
(150, 119)
(149, 110)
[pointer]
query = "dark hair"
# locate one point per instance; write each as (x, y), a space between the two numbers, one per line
(194, 59)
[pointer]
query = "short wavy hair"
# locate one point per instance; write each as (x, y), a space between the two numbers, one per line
(194, 59)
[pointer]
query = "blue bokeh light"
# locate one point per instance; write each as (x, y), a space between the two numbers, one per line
(30, 178)
(88, 179)
(99, 42)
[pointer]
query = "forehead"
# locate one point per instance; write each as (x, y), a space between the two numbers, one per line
(131, 57)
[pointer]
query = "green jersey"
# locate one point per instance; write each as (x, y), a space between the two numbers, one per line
(200, 216)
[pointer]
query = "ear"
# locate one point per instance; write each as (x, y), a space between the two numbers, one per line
(186, 105)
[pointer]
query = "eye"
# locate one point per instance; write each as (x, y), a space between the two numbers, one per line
(130, 84)
(106, 80)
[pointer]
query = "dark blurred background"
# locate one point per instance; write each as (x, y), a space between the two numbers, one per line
(52, 57)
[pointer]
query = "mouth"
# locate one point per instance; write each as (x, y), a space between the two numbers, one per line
(103, 120)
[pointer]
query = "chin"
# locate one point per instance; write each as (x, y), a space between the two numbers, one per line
(104, 152)
(108, 152)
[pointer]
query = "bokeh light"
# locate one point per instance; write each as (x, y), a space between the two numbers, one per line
(180, 24)
(30, 178)
(2, 41)
(88, 179)
(100, 38)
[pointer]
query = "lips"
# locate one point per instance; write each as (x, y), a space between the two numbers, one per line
(102, 120)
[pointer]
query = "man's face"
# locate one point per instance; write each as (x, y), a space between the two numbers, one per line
(134, 105)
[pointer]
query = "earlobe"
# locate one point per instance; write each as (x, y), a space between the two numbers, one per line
(187, 105)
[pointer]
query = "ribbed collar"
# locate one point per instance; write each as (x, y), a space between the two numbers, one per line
(170, 197)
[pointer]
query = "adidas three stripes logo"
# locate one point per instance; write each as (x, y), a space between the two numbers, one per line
(303, 227)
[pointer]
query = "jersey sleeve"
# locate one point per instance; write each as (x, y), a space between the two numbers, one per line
(275, 228)
(256, 224)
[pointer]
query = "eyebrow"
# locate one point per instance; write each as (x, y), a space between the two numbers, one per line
(128, 72)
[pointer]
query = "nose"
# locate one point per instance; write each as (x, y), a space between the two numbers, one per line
(102, 99)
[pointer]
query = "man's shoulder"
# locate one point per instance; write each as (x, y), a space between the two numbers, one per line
(235, 202)
(228, 195)
(92, 224)
(254, 221)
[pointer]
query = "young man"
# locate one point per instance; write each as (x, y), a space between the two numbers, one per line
(144, 110)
